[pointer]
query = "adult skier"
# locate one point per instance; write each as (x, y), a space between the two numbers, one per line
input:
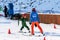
(34, 20)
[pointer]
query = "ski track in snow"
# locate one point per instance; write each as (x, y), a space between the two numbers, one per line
(5, 24)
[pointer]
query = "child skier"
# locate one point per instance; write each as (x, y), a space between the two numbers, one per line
(34, 20)
(23, 19)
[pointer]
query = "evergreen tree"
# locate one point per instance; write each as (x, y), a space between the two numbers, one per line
(0, 8)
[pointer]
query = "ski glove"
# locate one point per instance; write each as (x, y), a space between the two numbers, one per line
(30, 23)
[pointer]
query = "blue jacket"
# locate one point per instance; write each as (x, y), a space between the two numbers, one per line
(10, 5)
(34, 17)
(11, 10)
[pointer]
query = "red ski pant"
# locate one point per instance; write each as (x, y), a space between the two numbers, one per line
(32, 27)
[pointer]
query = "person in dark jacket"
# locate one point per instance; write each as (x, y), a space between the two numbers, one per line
(5, 11)
(34, 20)
(23, 20)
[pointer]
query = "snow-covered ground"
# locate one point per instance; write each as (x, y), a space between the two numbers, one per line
(6, 24)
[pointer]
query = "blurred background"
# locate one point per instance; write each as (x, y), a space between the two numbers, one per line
(42, 6)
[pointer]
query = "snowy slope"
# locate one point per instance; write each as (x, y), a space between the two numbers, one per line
(5, 24)
(27, 5)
